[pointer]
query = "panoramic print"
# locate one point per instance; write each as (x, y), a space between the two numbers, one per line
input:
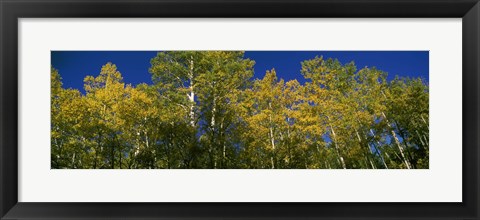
(239, 110)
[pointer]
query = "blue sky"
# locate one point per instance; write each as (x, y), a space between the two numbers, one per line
(73, 66)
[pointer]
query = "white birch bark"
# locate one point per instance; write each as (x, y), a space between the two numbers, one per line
(342, 161)
(191, 96)
(397, 142)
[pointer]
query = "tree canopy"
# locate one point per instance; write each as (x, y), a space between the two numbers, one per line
(203, 110)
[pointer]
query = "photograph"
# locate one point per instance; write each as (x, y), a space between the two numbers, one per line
(227, 109)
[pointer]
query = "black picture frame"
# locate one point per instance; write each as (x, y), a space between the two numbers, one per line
(12, 10)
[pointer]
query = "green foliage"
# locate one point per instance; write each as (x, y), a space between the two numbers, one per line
(203, 110)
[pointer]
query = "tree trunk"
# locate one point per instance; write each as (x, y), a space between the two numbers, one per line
(425, 121)
(212, 125)
(212, 120)
(191, 96)
(342, 161)
(224, 150)
(369, 150)
(378, 150)
(272, 138)
(73, 161)
(397, 142)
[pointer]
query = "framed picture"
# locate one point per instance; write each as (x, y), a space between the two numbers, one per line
(226, 109)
